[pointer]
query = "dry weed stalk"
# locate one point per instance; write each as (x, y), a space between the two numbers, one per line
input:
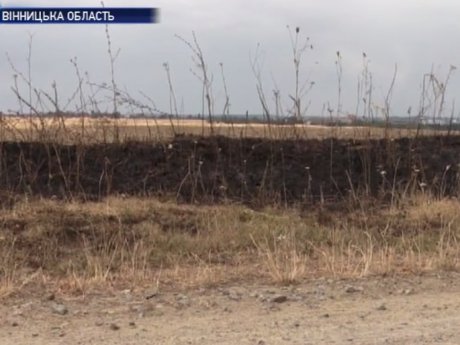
(204, 76)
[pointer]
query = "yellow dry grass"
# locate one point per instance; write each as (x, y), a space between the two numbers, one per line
(135, 242)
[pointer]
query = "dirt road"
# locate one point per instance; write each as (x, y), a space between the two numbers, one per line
(415, 310)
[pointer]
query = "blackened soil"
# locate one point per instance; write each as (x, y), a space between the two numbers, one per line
(214, 169)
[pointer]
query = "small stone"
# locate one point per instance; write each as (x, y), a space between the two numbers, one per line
(50, 297)
(353, 289)
(114, 327)
(274, 307)
(382, 307)
(18, 312)
(181, 296)
(14, 324)
(127, 294)
(279, 299)
(262, 298)
(158, 313)
(132, 324)
(152, 295)
(182, 301)
(201, 291)
(34, 335)
(234, 296)
(233, 293)
(60, 309)
(326, 315)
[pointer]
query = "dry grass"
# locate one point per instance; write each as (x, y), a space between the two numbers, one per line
(143, 242)
(284, 260)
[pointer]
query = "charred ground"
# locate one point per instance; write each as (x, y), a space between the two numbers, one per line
(213, 169)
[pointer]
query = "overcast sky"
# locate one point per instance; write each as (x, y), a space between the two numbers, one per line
(419, 36)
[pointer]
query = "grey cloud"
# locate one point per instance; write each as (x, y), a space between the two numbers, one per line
(414, 34)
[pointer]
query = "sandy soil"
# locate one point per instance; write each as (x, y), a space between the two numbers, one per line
(416, 310)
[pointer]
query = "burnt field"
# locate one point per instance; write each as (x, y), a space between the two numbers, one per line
(254, 171)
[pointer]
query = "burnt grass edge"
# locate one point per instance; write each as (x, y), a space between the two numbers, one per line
(213, 169)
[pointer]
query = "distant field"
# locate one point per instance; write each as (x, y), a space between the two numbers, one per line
(88, 129)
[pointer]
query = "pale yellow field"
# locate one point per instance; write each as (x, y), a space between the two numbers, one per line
(86, 129)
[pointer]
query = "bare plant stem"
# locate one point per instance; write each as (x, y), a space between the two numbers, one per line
(338, 66)
(172, 96)
(29, 70)
(388, 102)
(256, 69)
(226, 110)
(198, 58)
(298, 52)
